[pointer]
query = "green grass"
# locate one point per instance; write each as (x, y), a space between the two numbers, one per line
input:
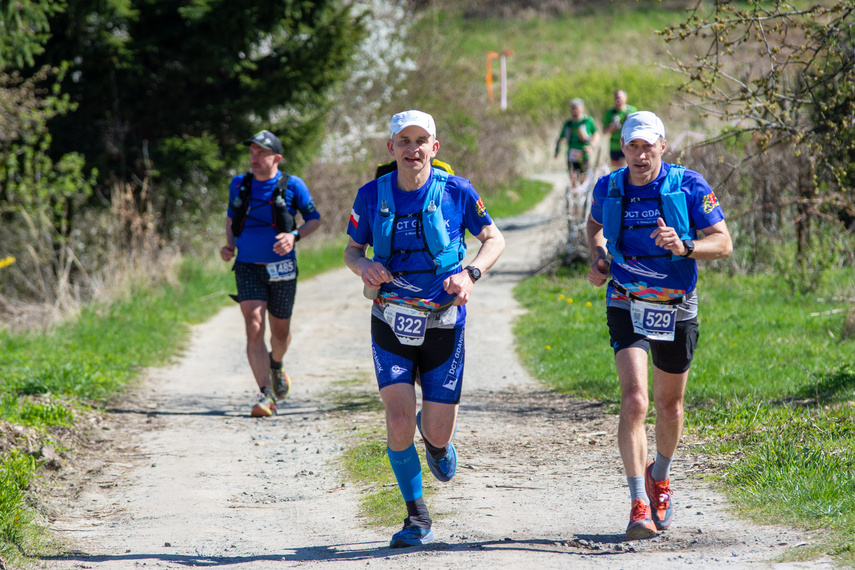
(757, 339)
(512, 199)
(548, 45)
(771, 387)
(794, 464)
(556, 58)
(367, 465)
(17, 528)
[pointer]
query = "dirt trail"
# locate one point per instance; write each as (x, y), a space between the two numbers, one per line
(183, 476)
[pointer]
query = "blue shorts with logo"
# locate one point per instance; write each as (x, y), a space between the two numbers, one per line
(437, 363)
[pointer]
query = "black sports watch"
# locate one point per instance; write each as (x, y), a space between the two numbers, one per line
(474, 272)
(690, 247)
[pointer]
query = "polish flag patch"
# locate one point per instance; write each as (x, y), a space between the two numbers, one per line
(354, 218)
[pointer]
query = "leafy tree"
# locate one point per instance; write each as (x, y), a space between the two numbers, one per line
(783, 80)
(39, 192)
(165, 90)
(24, 29)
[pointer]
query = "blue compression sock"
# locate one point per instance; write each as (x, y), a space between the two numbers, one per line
(408, 471)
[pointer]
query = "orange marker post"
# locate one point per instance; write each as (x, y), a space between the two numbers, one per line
(490, 56)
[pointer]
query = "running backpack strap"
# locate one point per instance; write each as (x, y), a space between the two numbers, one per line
(436, 234)
(240, 204)
(613, 213)
(384, 219)
(446, 254)
(283, 219)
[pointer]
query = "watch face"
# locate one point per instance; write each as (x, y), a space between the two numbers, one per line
(474, 272)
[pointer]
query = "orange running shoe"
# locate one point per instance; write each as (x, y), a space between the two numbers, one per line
(265, 406)
(659, 493)
(640, 523)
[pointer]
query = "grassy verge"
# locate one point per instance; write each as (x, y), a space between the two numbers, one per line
(47, 378)
(512, 199)
(365, 460)
(557, 57)
(771, 387)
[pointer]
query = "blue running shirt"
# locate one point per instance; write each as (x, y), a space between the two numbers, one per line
(657, 278)
(462, 209)
(255, 243)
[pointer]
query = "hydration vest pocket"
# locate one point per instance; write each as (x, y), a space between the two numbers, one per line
(436, 234)
(674, 208)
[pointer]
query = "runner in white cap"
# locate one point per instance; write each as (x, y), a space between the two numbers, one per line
(644, 235)
(416, 218)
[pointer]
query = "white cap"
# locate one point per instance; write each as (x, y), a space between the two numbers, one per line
(409, 118)
(642, 125)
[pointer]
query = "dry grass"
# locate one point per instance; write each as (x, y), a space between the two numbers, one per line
(52, 278)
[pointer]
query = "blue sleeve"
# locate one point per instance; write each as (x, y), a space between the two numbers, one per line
(704, 208)
(359, 224)
(475, 215)
(304, 199)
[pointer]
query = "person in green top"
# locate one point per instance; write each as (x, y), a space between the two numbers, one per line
(581, 135)
(613, 120)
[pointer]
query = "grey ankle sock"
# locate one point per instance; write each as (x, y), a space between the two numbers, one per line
(661, 467)
(636, 489)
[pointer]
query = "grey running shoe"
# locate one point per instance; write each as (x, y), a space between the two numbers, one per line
(280, 383)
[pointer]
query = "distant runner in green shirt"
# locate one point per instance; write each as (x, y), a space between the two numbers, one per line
(581, 135)
(612, 121)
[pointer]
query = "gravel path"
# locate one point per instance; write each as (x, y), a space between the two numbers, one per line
(179, 475)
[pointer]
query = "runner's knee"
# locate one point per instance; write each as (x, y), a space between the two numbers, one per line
(634, 406)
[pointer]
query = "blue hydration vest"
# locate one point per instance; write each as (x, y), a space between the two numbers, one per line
(672, 206)
(446, 254)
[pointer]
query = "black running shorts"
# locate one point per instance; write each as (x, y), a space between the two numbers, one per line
(671, 356)
(253, 284)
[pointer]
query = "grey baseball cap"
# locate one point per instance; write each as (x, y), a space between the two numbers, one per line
(267, 140)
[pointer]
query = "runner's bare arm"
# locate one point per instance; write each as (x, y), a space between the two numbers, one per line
(285, 241)
(492, 246)
(228, 251)
(715, 242)
(599, 272)
(372, 272)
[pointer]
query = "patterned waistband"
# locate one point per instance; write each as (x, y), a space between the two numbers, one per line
(421, 304)
(623, 291)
